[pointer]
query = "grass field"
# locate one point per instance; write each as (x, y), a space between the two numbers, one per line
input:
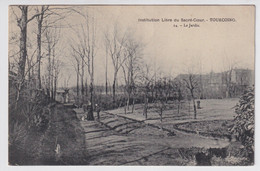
(128, 139)
(211, 109)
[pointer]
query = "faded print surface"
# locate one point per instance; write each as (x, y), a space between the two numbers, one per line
(131, 85)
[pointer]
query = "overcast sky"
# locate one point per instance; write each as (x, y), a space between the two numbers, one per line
(213, 45)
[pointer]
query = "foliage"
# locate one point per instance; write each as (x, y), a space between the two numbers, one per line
(28, 116)
(243, 128)
(37, 125)
(106, 102)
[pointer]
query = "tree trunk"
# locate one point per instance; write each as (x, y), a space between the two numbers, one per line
(29, 70)
(23, 40)
(55, 88)
(90, 115)
(145, 106)
(195, 110)
(114, 90)
(52, 74)
(125, 106)
(49, 72)
(22, 23)
(86, 88)
(106, 87)
(106, 72)
(39, 36)
(128, 101)
(30, 84)
(77, 80)
(133, 105)
(82, 80)
(194, 104)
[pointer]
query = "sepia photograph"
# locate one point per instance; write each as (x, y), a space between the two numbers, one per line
(138, 85)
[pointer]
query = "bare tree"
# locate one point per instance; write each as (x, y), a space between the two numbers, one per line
(22, 23)
(115, 44)
(86, 49)
(164, 88)
(146, 81)
(227, 77)
(131, 67)
(191, 82)
(77, 70)
(91, 57)
(80, 54)
(47, 17)
(38, 13)
(179, 93)
(56, 68)
(160, 106)
(106, 84)
(52, 37)
(39, 19)
(57, 64)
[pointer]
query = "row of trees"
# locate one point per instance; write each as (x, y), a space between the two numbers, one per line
(121, 48)
(39, 34)
(38, 40)
(84, 51)
(125, 53)
(28, 60)
(34, 71)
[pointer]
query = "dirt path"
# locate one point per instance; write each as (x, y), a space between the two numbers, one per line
(117, 140)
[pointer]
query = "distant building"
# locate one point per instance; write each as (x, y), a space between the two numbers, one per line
(237, 80)
(226, 84)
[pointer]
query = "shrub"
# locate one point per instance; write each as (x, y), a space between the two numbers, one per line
(243, 127)
(28, 119)
(106, 101)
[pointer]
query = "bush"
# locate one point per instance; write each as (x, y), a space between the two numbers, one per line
(106, 101)
(28, 119)
(243, 127)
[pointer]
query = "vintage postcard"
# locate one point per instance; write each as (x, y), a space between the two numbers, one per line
(131, 85)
